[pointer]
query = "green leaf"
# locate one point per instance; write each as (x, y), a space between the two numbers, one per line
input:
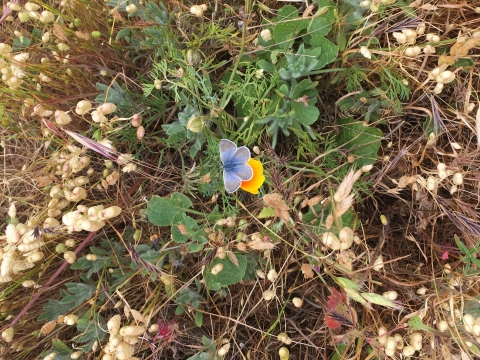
(91, 330)
(267, 212)
(306, 115)
(162, 211)
(329, 50)
(208, 343)
(183, 223)
(231, 274)
(266, 66)
(321, 25)
(362, 141)
(416, 323)
(123, 32)
(53, 309)
(80, 293)
(61, 350)
(201, 356)
(198, 318)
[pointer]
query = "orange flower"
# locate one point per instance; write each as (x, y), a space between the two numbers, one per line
(257, 180)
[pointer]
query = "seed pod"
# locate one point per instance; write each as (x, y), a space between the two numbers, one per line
(70, 319)
(136, 120)
(12, 235)
(272, 275)
(70, 256)
(107, 108)
(297, 302)
(268, 295)
(28, 283)
(109, 212)
(7, 335)
(83, 107)
(132, 330)
(132, 340)
(113, 325)
(7, 262)
(221, 252)
(36, 256)
(416, 341)
(124, 351)
(223, 350)
(31, 246)
(48, 327)
(217, 268)
(284, 353)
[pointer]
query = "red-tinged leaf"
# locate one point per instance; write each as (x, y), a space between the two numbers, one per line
(331, 322)
(335, 299)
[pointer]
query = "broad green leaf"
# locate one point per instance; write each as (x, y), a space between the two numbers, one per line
(306, 115)
(329, 51)
(208, 343)
(201, 356)
(90, 328)
(321, 25)
(231, 274)
(53, 309)
(362, 141)
(162, 211)
(183, 228)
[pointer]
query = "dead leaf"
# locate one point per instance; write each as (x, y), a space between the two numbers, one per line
(206, 179)
(82, 35)
(43, 181)
(462, 48)
(311, 202)
(233, 258)
(307, 271)
(428, 7)
(112, 178)
(261, 245)
(126, 311)
(446, 60)
(138, 316)
(183, 229)
(59, 32)
(407, 180)
(276, 202)
(48, 327)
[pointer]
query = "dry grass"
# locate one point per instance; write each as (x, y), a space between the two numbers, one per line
(421, 259)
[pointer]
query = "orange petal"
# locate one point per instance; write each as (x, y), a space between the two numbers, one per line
(257, 180)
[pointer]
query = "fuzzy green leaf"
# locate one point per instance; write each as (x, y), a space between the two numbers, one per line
(231, 274)
(162, 211)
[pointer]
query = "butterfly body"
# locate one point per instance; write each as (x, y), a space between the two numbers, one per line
(235, 167)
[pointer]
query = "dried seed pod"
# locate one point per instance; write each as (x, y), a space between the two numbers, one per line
(217, 268)
(70, 256)
(268, 295)
(7, 335)
(124, 351)
(7, 262)
(107, 108)
(12, 235)
(272, 275)
(28, 283)
(70, 319)
(132, 330)
(297, 302)
(48, 327)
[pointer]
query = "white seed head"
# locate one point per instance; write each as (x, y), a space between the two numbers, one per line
(457, 178)
(272, 275)
(70, 319)
(131, 8)
(416, 341)
(391, 295)
(70, 256)
(7, 335)
(83, 107)
(297, 302)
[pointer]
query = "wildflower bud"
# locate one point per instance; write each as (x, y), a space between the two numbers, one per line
(23, 16)
(131, 8)
(107, 108)
(63, 47)
(70, 257)
(193, 57)
(136, 120)
(7, 335)
(217, 269)
(14, 6)
(365, 52)
(61, 248)
(153, 328)
(12, 211)
(96, 34)
(140, 132)
(46, 17)
(83, 107)
(158, 84)
(390, 295)
(29, 6)
(268, 295)
(284, 353)
(62, 118)
(297, 302)
(266, 35)
(91, 257)
(195, 124)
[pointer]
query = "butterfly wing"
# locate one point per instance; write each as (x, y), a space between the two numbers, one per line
(227, 150)
(231, 181)
(244, 172)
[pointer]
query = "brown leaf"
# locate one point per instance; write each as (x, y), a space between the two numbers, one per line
(276, 202)
(261, 245)
(138, 316)
(127, 312)
(48, 327)
(232, 257)
(407, 180)
(307, 271)
(59, 32)
(462, 48)
(43, 181)
(82, 35)
(429, 7)
(446, 59)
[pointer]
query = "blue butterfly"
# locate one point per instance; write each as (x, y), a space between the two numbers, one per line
(235, 167)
